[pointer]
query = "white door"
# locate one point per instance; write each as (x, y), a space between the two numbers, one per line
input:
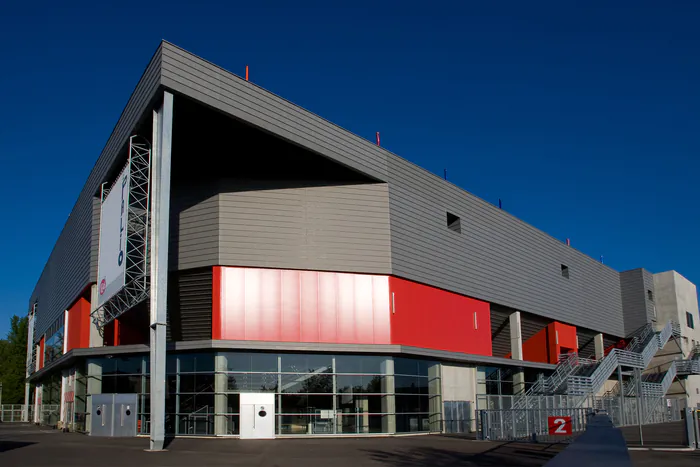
(257, 416)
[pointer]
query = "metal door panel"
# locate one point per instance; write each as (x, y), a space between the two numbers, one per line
(101, 408)
(257, 417)
(113, 415)
(125, 415)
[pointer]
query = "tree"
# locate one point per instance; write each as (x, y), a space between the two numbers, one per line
(13, 361)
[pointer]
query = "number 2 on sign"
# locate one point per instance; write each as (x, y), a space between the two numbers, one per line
(559, 425)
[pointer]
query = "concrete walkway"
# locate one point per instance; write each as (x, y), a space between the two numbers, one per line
(27, 445)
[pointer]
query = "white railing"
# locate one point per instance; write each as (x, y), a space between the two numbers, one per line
(688, 367)
(590, 385)
(640, 339)
(14, 413)
(566, 365)
(668, 378)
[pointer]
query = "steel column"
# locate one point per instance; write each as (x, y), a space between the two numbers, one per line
(622, 395)
(160, 230)
(638, 379)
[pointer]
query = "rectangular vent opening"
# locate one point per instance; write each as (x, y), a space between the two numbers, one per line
(453, 223)
(565, 271)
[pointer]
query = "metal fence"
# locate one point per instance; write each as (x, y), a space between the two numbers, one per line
(49, 414)
(531, 424)
(497, 420)
(16, 413)
(458, 417)
(493, 402)
(624, 412)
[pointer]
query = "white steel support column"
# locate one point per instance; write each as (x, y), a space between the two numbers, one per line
(516, 351)
(599, 346)
(516, 337)
(159, 238)
(96, 338)
(27, 404)
(31, 365)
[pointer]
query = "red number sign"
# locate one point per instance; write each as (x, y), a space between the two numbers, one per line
(559, 425)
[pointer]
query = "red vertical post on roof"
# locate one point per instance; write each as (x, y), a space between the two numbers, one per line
(246, 72)
(378, 142)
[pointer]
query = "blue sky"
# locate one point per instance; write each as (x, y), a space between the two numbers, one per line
(583, 117)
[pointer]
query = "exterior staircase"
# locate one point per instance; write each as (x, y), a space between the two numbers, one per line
(638, 354)
(583, 378)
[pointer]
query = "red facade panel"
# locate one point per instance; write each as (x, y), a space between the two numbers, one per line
(41, 354)
(564, 339)
(537, 348)
(78, 325)
(300, 306)
(550, 342)
(427, 317)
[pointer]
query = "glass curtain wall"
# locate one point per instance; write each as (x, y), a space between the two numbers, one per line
(189, 403)
(80, 401)
(51, 395)
(496, 381)
(53, 348)
(314, 393)
(123, 375)
(418, 401)
(499, 381)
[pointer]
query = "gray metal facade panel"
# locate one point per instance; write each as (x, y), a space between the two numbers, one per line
(586, 342)
(648, 279)
(336, 228)
(194, 229)
(500, 331)
(72, 263)
(497, 257)
(186, 73)
(190, 305)
(637, 309)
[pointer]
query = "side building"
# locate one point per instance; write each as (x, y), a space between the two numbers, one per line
(346, 288)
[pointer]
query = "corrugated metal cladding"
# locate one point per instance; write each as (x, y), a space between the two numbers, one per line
(586, 342)
(638, 309)
(328, 228)
(190, 305)
(194, 226)
(496, 257)
(72, 263)
(500, 330)
(188, 74)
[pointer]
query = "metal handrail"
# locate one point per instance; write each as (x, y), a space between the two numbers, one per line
(638, 354)
(590, 385)
(640, 337)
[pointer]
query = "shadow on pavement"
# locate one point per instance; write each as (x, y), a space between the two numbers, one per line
(511, 454)
(10, 445)
(167, 441)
